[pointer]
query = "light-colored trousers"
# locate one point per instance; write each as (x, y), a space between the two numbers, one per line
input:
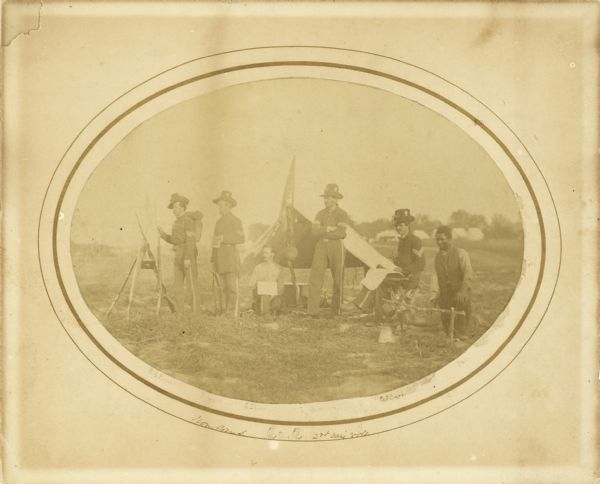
(180, 277)
(328, 253)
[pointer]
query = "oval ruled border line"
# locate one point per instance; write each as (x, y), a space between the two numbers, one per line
(258, 65)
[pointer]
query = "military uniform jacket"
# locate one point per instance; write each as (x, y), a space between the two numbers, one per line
(331, 218)
(226, 256)
(410, 255)
(185, 233)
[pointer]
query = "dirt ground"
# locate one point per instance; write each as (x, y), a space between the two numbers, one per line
(289, 358)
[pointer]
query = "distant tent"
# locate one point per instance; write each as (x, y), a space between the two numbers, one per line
(293, 229)
(475, 233)
(387, 236)
(459, 233)
(421, 234)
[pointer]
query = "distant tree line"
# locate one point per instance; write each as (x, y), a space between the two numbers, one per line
(498, 227)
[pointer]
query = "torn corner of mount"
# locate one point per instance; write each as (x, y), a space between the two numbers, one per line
(20, 19)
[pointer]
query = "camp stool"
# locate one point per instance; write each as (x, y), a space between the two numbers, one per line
(404, 300)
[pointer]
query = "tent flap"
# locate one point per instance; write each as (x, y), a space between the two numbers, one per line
(359, 252)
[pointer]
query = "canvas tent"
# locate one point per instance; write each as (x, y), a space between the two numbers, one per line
(293, 228)
(475, 233)
(421, 234)
(459, 233)
(388, 236)
(393, 236)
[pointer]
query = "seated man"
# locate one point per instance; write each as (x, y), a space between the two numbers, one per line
(409, 260)
(266, 281)
(408, 257)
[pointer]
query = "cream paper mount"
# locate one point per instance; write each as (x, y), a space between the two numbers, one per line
(110, 108)
(323, 420)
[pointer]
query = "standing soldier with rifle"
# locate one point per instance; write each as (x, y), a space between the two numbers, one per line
(186, 232)
(225, 256)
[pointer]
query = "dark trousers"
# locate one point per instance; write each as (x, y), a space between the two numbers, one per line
(230, 290)
(447, 300)
(328, 253)
(273, 306)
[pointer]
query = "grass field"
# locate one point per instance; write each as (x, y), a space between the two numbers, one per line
(288, 359)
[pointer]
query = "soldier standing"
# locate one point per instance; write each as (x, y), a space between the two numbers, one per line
(330, 229)
(185, 233)
(225, 256)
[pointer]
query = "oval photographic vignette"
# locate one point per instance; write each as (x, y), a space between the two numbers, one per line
(272, 424)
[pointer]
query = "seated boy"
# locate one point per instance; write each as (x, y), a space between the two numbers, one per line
(266, 281)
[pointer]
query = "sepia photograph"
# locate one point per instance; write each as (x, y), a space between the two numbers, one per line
(296, 241)
(300, 241)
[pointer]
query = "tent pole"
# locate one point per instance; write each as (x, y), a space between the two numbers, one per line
(294, 283)
(290, 243)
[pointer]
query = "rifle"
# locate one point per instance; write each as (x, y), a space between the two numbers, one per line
(163, 288)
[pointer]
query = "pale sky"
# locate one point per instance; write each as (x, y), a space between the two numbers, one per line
(384, 151)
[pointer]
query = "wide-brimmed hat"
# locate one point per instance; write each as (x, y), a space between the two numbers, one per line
(332, 190)
(402, 215)
(178, 198)
(226, 197)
